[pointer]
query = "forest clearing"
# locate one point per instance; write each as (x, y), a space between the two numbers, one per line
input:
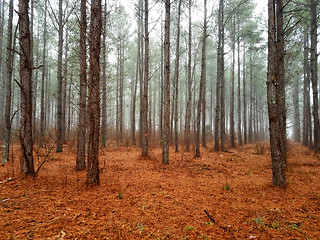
(139, 198)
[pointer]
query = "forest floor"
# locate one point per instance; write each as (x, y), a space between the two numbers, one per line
(138, 198)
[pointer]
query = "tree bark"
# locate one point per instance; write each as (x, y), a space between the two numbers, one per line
(244, 95)
(82, 126)
(42, 103)
(104, 79)
(314, 72)
(239, 93)
(145, 82)
(233, 42)
(9, 70)
(307, 129)
(94, 93)
(176, 77)
(166, 126)
(275, 92)
(189, 85)
(202, 80)
(59, 87)
(26, 159)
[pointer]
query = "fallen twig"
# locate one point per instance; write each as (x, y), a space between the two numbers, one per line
(45, 159)
(8, 180)
(227, 229)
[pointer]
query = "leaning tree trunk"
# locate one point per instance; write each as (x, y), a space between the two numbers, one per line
(94, 93)
(275, 92)
(26, 159)
(166, 126)
(7, 116)
(81, 138)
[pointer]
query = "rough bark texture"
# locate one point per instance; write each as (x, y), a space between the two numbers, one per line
(104, 80)
(189, 84)
(307, 130)
(314, 72)
(176, 79)
(296, 111)
(26, 159)
(2, 81)
(275, 92)
(202, 80)
(8, 77)
(94, 93)
(42, 103)
(244, 95)
(145, 82)
(239, 93)
(166, 126)
(59, 73)
(232, 131)
(81, 138)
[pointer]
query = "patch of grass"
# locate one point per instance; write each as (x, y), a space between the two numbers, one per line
(209, 223)
(202, 236)
(275, 225)
(258, 221)
(227, 186)
(189, 228)
(120, 196)
(140, 227)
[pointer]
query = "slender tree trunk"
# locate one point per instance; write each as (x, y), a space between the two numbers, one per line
(9, 70)
(189, 85)
(204, 65)
(145, 82)
(64, 86)
(275, 91)
(202, 79)
(296, 111)
(314, 72)
(94, 93)
(82, 126)
(232, 132)
(104, 79)
(251, 125)
(166, 126)
(141, 69)
(221, 76)
(44, 69)
(239, 94)
(244, 96)
(2, 82)
(176, 77)
(60, 93)
(26, 160)
(307, 130)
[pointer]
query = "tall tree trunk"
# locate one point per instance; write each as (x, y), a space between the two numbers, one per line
(94, 93)
(233, 42)
(166, 126)
(82, 126)
(275, 92)
(9, 70)
(60, 93)
(176, 79)
(64, 87)
(314, 72)
(26, 160)
(141, 68)
(307, 130)
(202, 80)
(145, 82)
(251, 125)
(239, 93)
(244, 96)
(104, 79)
(44, 69)
(2, 82)
(189, 85)
(204, 90)
(296, 111)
